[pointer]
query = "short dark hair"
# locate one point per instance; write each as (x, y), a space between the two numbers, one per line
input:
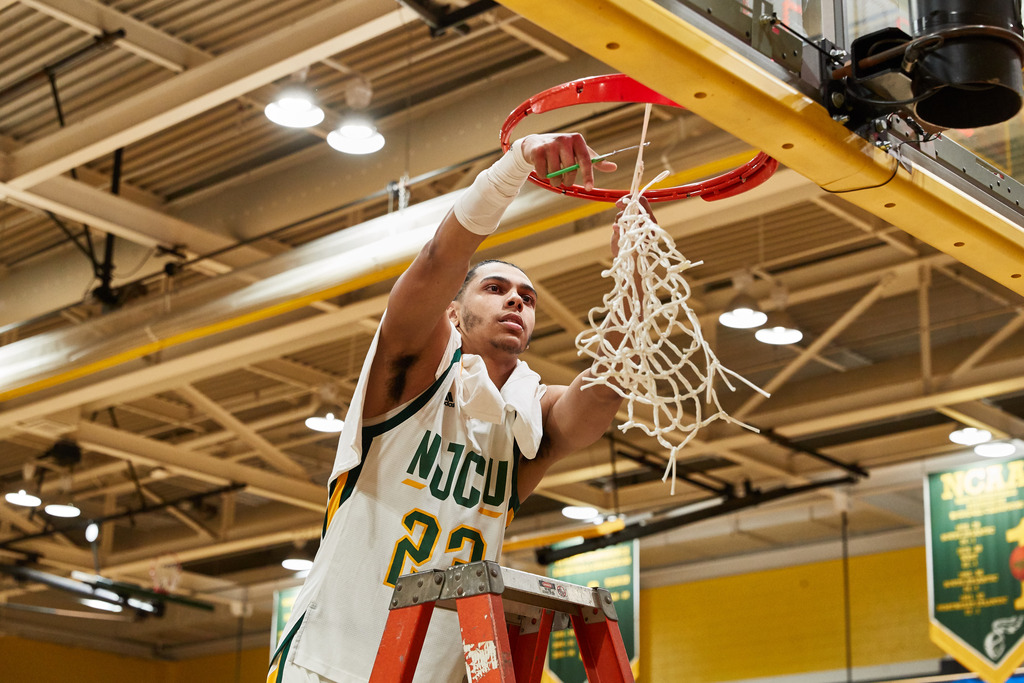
(476, 267)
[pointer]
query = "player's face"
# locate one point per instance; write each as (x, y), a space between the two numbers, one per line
(498, 308)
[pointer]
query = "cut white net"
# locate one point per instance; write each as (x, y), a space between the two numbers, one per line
(645, 341)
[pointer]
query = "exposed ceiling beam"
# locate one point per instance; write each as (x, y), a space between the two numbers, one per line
(204, 232)
(814, 414)
(160, 409)
(986, 416)
(19, 521)
(268, 422)
(814, 409)
(206, 550)
(178, 514)
(126, 564)
(815, 347)
(266, 450)
(153, 45)
(529, 34)
(146, 379)
(442, 133)
(80, 477)
(220, 80)
(119, 216)
(290, 372)
(984, 349)
(101, 473)
(141, 39)
(875, 228)
(127, 446)
(924, 327)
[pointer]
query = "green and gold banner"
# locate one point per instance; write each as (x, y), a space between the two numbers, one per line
(284, 599)
(616, 569)
(975, 533)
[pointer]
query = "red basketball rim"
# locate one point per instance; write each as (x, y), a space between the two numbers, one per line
(622, 88)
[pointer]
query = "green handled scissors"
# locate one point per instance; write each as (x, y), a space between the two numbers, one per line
(599, 157)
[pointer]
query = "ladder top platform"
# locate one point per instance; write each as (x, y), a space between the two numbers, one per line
(516, 587)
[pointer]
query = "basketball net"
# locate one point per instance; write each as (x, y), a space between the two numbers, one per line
(165, 572)
(645, 341)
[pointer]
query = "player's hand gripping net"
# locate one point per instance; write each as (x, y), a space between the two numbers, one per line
(645, 341)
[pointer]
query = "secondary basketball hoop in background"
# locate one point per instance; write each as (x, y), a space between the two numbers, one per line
(622, 88)
(165, 573)
(645, 341)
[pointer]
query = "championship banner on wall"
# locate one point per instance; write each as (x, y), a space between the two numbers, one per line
(284, 599)
(616, 569)
(975, 532)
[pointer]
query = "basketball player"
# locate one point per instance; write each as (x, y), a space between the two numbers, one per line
(447, 432)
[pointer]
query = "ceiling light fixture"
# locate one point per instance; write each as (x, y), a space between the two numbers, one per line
(297, 564)
(100, 604)
(295, 107)
(300, 559)
(328, 424)
(356, 135)
(143, 605)
(66, 510)
(779, 330)
(23, 499)
(580, 512)
(743, 315)
(970, 436)
(995, 449)
(743, 312)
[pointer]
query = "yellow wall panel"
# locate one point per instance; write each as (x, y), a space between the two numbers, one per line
(779, 621)
(251, 666)
(889, 608)
(38, 662)
(31, 661)
(787, 621)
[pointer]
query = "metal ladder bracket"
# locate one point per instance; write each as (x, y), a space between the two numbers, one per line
(416, 589)
(475, 578)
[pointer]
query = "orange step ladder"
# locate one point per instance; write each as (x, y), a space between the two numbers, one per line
(506, 617)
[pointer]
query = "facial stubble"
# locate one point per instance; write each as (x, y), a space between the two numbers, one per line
(469, 320)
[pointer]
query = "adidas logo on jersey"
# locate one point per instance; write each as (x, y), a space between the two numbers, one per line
(449, 402)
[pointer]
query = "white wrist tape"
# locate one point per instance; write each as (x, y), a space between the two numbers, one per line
(481, 206)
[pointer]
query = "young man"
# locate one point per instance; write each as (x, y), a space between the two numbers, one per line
(447, 432)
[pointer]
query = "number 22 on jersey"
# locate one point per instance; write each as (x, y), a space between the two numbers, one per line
(417, 547)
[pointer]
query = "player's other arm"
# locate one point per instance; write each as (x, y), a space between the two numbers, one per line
(574, 417)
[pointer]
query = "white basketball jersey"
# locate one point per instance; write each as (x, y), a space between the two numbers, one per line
(434, 488)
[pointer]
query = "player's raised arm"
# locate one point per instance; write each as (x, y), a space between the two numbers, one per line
(415, 330)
